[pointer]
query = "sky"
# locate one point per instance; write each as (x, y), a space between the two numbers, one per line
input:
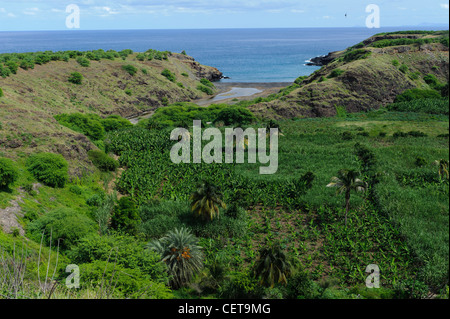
(34, 15)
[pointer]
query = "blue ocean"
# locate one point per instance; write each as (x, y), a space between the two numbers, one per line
(244, 55)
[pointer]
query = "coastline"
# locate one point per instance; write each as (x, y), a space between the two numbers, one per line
(264, 89)
(243, 91)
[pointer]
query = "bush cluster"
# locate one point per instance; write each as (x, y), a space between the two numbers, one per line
(8, 173)
(50, 169)
(416, 94)
(169, 75)
(102, 161)
(63, 225)
(75, 78)
(356, 55)
(132, 70)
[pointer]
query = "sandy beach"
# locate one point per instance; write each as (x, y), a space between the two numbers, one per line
(228, 92)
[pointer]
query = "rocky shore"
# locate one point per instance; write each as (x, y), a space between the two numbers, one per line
(323, 59)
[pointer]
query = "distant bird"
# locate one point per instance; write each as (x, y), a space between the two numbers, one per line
(346, 15)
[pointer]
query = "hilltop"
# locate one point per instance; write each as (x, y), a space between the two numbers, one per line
(366, 76)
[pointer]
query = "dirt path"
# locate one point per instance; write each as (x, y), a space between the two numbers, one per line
(9, 216)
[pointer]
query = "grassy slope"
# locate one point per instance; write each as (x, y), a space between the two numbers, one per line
(365, 84)
(33, 97)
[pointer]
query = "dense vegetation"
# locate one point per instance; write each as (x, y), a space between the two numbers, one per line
(351, 190)
(11, 62)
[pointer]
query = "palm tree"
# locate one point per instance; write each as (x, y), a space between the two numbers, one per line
(182, 255)
(443, 168)
(272, 266)
(346, 182)
(206, 200)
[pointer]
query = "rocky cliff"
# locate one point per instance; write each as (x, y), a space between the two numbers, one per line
(364, 77)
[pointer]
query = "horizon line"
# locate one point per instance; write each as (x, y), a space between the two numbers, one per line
(255, 28)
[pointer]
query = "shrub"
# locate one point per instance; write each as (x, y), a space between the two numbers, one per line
(417, 134)
(13, 66)
(64, 224)
(51, 169)
(83, 62)
(240, 285)
(8, 172)
(300, 79)
(115, 122)
(144, 71)
(420, 161)
(140, 57)
(207, 83)
(336, 73)
(121, 282)
(1, 92)
(415, 75)
(403, 68)
(125, 217)
(165, 101)
(300, 286)
(128, 92)
(4, 72)
(102, 161)
(75, 78)
(169, 75)
(430, 106)
(131, 253)
(431, 80)
(86, 124)
(132, 70)
(416, 94)
(347, 136)
(400, 134)
(185, 74)
(235, 116)
(356, 55)
(395, 63)
(205, 89)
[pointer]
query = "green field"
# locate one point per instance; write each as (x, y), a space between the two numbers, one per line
(401, 224)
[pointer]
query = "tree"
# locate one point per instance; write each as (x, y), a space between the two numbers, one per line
(272, 266)
(182, 255)
(75, 78)
(8, 173)
(206, 200)
(125, 217)
(48, 168)
(346, 182)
